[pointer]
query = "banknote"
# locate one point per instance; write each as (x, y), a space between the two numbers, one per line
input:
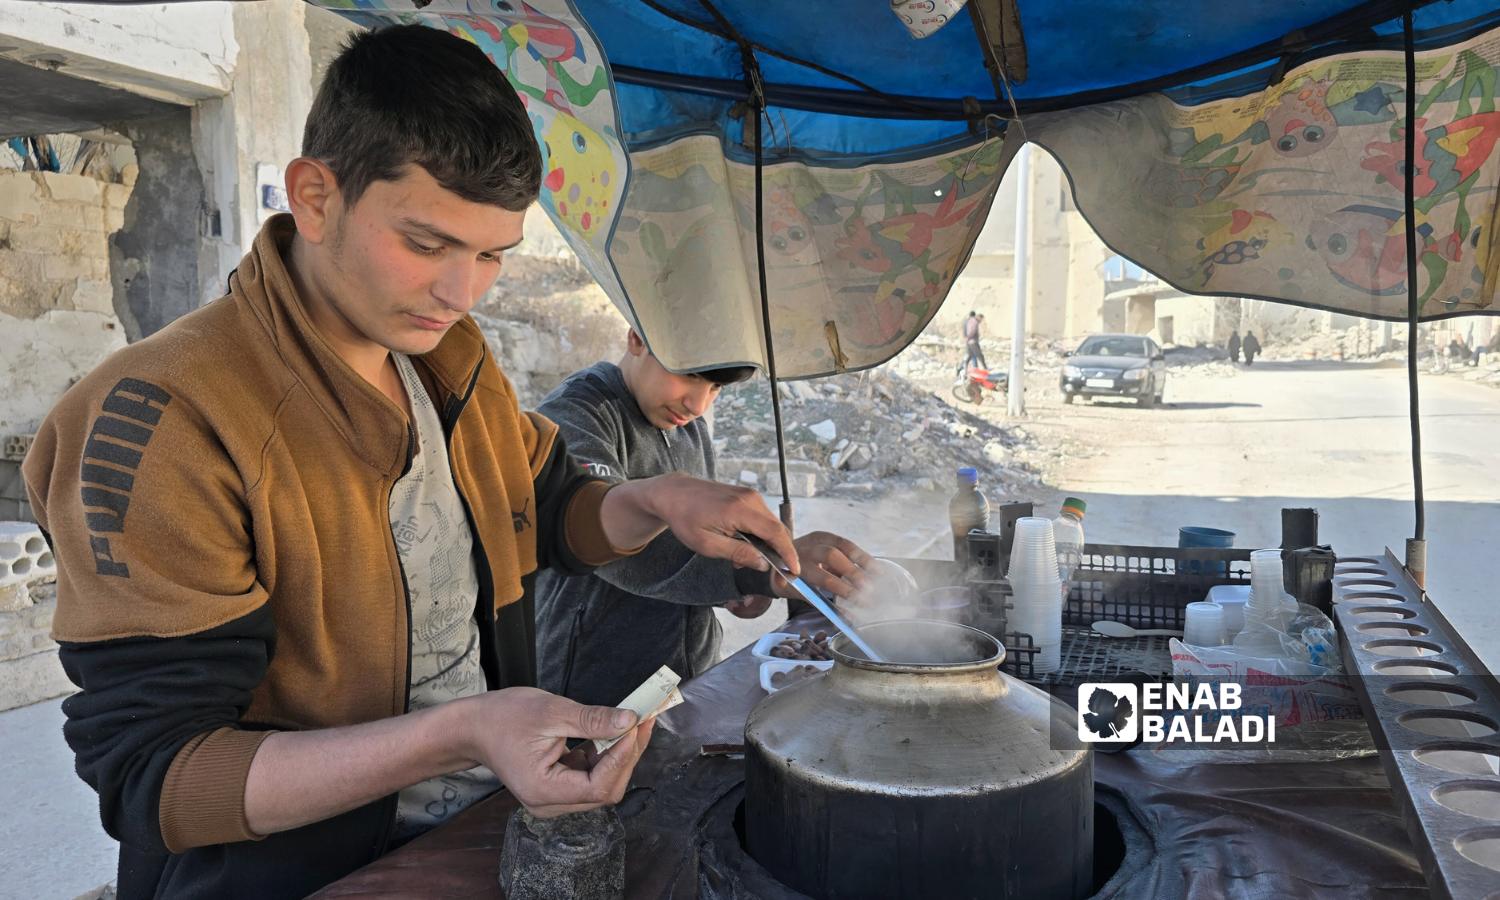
(653, 698)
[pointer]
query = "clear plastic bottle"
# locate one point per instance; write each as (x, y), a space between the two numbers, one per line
(1067, 531)
(967, 511)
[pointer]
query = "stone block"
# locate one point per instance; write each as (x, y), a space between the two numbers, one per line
(32, 679)
(14, 597)
(67, 266)
(76, 216)
(801, 474)
(803, 484)
(24, 554)
(116, 195)
(90, 219)
(82, 242)
(27, 631)
(40, 237)
(73, 188)
(18, 197)
(114, 220)
(24, 292)
(93, 295)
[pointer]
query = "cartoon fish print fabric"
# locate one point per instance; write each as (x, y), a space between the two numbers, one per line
(556, 66)
(858, 260)
(1296, 193)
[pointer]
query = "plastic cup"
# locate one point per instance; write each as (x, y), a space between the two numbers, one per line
(1198, 536)
(1266, 582)
(1234, 616)
(1033, 554)
(1204, 624)
(1036, 610)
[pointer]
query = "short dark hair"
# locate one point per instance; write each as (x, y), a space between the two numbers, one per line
(413, 94)
(728, 374)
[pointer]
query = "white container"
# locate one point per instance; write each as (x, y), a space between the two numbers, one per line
(772, 666)
(762, 648)
(1203, 625)
(1232, 599)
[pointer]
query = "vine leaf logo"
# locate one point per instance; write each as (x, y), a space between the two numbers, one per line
(1107, 712)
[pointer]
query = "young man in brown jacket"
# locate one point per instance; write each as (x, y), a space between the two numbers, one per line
(295, 528)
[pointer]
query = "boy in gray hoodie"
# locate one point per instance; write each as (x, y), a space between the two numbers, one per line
(602, 634)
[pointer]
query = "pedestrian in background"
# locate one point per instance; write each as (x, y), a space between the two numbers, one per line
(1234, 346)
(1251, 347)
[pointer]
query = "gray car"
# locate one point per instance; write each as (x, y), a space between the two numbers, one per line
(1115, 365)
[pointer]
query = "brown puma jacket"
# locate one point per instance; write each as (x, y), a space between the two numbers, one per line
(217, 500)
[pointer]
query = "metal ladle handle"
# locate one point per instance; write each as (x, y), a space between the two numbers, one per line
(811, 595)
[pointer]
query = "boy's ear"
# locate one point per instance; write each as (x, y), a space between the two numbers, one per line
(634, 344)
(312, 191)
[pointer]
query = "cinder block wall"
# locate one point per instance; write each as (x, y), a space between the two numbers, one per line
(29, 669)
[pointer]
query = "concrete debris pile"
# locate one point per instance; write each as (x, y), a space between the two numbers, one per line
(545, 319)
(1486, 371)
(1211, 361)
(873, 432)
(1349, 343)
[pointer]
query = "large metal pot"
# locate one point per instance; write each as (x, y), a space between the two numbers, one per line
(934, 775)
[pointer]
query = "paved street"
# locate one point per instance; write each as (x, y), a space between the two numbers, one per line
(1231, 449)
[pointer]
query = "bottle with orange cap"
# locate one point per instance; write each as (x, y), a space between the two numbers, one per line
(1067, 531)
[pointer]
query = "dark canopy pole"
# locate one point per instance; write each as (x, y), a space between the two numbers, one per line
(758, 110)
(757, 104)
(1416, 545)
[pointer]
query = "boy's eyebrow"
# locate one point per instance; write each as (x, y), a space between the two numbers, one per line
(440, 235)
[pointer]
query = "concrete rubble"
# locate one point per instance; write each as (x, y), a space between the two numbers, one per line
(876, 432)
(29, 669)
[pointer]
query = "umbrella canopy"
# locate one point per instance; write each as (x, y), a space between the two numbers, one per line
(1248, 150)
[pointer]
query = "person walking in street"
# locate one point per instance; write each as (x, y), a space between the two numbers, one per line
(1251, 348)
(1492, 346)
(1234, 346)
(295, 529)
(973, 353)
(601, 633)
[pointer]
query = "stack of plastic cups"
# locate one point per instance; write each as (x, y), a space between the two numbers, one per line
(1265, 613)
(1036, 586)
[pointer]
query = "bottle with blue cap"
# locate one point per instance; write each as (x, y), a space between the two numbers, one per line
(967, 511)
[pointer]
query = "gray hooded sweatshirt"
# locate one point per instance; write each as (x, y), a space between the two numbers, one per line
(600, 635)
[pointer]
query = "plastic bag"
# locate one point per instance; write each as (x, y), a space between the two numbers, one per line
(1318, 716)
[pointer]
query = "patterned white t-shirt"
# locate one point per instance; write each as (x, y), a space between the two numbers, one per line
(436, 549)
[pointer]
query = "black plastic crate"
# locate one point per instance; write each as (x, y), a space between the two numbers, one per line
(1144, 587)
